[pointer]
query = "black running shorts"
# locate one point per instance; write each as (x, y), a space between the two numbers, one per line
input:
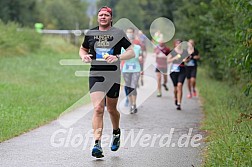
(178, 77)
(191, 72)
(109, 84)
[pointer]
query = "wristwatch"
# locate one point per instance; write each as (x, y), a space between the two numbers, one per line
(118, 57)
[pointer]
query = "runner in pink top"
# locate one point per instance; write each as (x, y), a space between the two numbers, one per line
(161, 52)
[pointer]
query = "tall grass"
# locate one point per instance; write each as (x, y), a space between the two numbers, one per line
(16, 40)
(228, 123)
(34, 87)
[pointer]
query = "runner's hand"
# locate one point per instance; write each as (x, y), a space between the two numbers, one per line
(177, 57)
(187, 59)
(86, 58)
(111, 59)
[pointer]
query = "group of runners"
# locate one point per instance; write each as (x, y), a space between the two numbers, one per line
(113, 53)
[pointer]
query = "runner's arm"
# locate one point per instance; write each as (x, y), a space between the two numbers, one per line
(171, 58)
(196, 57)
(128, 54)
(83, 52)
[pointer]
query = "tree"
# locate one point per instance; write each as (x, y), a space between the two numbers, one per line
(18, 11)
(58, 14)
(134, 15)
(222, 29)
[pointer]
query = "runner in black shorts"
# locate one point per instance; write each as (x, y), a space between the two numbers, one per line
(102, 46)
(178, 71)
(178, 77)
(103, 84)
(191, 71)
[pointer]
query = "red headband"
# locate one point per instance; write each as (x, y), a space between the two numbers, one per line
(105, 8)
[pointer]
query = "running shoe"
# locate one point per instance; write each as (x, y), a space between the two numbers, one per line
(194, 93)
(97, 151)
(133, 109)
(165, 87)
(189, 96)
(178, 107)
(159, 94)
(115, 142)
(176, 102)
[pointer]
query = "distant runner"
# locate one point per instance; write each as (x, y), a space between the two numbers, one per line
(191, 71)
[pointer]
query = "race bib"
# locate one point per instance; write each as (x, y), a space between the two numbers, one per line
(191, 63)
(100, 52)
(175, 68)
(130, 66)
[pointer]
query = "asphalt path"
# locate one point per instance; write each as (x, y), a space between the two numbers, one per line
(157, 135)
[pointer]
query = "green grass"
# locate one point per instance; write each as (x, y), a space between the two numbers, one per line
(228, 121)
(35, 88)
(16, 40)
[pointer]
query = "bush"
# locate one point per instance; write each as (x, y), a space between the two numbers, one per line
(16, 41)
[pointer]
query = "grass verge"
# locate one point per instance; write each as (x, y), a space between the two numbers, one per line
(35, 88)
(228, 122)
